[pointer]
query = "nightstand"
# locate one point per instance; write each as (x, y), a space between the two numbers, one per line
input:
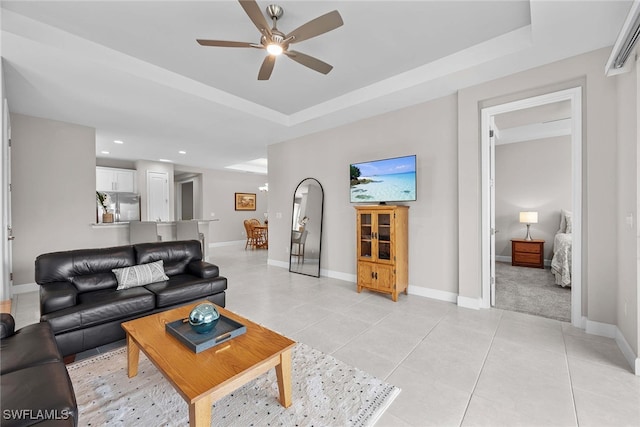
(527, 253)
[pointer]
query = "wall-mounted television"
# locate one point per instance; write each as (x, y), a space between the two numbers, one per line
(386, 180)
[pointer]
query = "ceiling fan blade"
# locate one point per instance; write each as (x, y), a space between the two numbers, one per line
(320, 25)
(255, 14)
(223, 43)
(309, 61)
(267, 67)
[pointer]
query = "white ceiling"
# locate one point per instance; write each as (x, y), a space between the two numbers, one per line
(133, 70)
(534, 123)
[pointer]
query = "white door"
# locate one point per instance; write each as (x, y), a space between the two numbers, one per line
(5, 179)
(158, 196)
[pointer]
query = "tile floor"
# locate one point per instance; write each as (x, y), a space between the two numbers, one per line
(455, 366)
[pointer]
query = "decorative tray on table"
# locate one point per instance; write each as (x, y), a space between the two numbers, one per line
(224, 330)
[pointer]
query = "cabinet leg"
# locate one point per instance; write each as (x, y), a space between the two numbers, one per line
(394, 296)
(359, 288)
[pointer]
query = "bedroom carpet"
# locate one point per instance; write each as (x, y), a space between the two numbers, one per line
(531, 291)
(325, 392)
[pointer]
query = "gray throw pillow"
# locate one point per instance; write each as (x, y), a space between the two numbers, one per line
(139, 275)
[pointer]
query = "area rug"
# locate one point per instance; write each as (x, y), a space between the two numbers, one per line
(531, 291)
(325, 392)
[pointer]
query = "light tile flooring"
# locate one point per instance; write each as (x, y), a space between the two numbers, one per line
(455, 366)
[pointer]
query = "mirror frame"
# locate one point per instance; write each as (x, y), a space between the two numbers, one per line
(320, 229)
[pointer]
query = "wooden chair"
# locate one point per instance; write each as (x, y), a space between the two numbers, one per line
(256, 237)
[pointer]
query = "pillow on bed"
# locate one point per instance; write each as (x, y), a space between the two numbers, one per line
(569, 221)
(140, 275)
(563, 221)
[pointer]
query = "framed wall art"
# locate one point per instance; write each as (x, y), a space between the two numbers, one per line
(245, 201)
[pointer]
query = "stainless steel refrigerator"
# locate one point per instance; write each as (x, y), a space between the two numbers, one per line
(125, 206)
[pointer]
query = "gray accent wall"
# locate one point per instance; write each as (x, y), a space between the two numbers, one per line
(429, 131)
(532, 176)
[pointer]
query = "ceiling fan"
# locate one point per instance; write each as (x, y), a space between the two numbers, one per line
(276, 42)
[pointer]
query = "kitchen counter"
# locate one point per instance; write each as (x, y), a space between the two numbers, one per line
(160, 223)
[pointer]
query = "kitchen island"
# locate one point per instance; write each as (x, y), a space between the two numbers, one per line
(166, 229)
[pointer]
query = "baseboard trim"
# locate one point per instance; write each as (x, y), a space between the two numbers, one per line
(501, 258)
(276, 263)
(24, 288)
(601, 329)
(339, 275)
(467, 302)
(612, 331)
(229, 243)
(627, 351)
(433, 293)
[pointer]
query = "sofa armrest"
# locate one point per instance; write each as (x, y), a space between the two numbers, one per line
(203, 269)
(7, 325)
(55, 296)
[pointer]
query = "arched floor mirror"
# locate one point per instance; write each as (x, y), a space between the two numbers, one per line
(306, 228)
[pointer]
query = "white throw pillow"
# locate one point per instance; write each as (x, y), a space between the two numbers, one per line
(569, 221)
(563, 221)
(139, 275)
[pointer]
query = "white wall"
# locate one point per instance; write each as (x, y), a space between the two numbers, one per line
(218, 201)
(599, 172)
(53, 180)
(532, 176)
(53, 206)
(445, 221)
(427, 130)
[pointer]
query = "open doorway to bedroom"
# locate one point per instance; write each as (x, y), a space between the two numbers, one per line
(531, 205)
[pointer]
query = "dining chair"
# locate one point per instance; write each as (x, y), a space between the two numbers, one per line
(188, 230)
(299, 239)
(143, 232)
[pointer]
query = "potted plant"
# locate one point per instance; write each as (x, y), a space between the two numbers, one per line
(104, 201)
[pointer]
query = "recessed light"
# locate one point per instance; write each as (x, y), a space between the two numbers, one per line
(164, 160)
(117, 141)
(182, 152)
(104, 152)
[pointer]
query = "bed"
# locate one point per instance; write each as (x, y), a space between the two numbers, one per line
(561, 261)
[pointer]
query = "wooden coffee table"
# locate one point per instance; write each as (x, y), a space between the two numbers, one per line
(205, 377)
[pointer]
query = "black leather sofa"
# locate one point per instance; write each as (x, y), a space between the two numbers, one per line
(35, 388)
(78, 295)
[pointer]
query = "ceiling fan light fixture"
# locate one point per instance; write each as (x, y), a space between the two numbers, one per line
(274, 49)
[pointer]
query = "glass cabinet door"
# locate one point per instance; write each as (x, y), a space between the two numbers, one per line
(384, 236)
(366, 233)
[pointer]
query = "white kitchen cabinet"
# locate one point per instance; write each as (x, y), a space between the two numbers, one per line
(112, 179)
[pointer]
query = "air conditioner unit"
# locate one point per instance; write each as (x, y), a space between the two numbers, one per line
(625, 42)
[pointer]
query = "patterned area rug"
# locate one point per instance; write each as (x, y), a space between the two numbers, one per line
(325, 392)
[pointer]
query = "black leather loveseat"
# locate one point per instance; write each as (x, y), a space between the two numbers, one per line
(35, 388)
(80, 300)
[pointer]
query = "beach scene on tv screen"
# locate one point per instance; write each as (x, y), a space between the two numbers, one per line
(384, 180)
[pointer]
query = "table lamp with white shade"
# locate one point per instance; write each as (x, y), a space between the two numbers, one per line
(528, 218)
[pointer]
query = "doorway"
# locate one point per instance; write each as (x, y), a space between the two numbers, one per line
(188, 196)
(489, 136)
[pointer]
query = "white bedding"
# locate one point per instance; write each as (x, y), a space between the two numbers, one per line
(561, 261)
